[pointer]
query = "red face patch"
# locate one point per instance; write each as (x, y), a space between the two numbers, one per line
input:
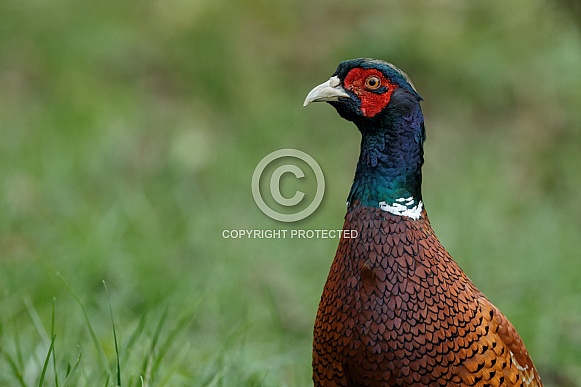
(372, 87)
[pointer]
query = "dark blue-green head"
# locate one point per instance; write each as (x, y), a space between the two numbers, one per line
(385, 106)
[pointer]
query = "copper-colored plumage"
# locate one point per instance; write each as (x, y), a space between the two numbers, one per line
(396, 310)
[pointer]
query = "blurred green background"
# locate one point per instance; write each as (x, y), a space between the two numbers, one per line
(129, 132)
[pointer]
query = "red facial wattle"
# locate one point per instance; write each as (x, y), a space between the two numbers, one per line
(373, 100)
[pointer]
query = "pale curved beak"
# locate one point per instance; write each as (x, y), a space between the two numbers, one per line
(325, 92)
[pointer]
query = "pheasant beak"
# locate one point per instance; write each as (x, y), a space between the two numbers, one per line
(325, 92)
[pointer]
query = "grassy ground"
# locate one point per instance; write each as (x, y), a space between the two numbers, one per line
(129, 134)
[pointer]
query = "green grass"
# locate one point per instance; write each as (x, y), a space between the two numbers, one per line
(129, 133)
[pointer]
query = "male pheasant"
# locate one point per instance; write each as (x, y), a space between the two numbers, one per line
(396, 309)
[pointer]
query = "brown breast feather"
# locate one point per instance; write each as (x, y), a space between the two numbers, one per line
(396, 310)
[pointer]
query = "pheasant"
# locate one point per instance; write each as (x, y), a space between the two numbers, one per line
(396, 309)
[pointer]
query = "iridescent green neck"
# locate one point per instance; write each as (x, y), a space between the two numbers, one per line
(388, 174)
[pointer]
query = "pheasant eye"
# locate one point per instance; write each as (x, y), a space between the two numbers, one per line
(373, 82)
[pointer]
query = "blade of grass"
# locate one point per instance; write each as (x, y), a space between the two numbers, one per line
(56, 379)
(169, 341)
(186, 320)
(95, 339)
(134, 337)
(148, 377)
(71, 371)
(36, 320)
(45, 366)
(16, 364)
(114, 335)
(19, 355)
(153, 362)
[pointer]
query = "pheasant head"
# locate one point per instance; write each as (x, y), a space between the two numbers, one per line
(382, 102)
